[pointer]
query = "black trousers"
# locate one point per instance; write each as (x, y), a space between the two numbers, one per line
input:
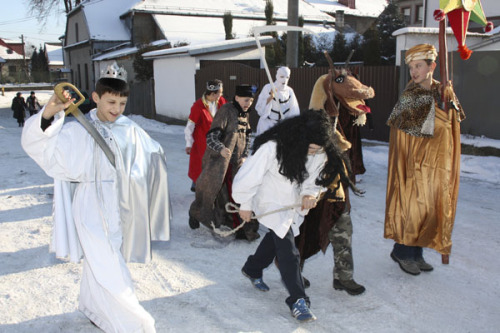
(288, 257)
(406, 252)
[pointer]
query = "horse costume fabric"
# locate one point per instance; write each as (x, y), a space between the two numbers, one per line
(342, 96)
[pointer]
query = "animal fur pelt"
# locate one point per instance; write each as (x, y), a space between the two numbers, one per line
(415, 110)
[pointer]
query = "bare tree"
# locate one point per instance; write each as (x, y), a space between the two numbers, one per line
(41, 8)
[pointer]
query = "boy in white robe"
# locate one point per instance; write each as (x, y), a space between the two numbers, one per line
(109, 214)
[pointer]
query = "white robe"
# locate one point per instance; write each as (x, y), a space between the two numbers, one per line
(270, 112)
(87, 204)
(259, 187)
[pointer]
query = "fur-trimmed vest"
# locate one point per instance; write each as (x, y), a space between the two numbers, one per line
(415, 110)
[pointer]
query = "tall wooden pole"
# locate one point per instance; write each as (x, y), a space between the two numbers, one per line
(292, 41)
(443, 71)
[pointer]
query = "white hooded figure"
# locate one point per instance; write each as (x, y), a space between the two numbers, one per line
(272, 107)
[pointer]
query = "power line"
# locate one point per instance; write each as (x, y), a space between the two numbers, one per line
(21, 20)
(24, 32)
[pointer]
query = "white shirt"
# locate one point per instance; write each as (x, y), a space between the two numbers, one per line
(259, 187)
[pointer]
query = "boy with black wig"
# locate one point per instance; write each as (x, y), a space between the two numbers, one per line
(106, 214)
(291, 164)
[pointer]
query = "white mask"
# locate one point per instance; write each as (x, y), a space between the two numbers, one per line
(282, 77)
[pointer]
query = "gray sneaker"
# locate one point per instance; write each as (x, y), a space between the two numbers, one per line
(423, 265)
(408, 266)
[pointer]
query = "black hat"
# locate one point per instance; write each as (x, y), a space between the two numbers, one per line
(245, 90)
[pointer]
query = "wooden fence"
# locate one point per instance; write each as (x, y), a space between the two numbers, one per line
(383, 79)
(142, 99)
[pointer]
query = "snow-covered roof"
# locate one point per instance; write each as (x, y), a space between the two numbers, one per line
(8, 54)
(211, 29)
(117, 53)
(225, 45)
(433, 31)
(103, 18)
(205, 17)
(10, 41)
(367, 8)
(240, 8)
(54, 54)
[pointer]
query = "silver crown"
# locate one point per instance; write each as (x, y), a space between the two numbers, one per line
(214, 87)
(114, 72)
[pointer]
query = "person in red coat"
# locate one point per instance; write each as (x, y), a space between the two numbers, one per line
(199, 122)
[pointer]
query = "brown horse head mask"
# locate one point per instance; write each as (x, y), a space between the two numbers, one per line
(340, 85)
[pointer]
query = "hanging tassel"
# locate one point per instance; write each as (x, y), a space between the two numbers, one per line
(464, 51)
(489, 27)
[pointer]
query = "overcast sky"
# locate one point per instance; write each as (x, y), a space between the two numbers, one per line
(16, 20)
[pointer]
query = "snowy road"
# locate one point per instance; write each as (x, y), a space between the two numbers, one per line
(194, 282)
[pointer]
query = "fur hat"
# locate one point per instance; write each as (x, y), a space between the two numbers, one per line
(245, 90)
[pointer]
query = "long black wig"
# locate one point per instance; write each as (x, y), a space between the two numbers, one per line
(293, 137)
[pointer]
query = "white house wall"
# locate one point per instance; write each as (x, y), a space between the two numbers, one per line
(174, 86)
(74, 20)
(405, 41)
(240, 54)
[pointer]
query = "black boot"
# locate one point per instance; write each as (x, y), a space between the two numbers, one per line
(193, 223)
(404, 256)
(421, 263)
(350, 286)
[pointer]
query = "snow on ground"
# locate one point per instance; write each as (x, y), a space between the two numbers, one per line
(194, 282)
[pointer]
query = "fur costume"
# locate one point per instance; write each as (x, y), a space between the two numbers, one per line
(234, 124)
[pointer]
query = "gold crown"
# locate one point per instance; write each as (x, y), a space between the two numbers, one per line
(114, 72)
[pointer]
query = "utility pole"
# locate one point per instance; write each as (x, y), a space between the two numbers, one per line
(292, 40)
(25, 67)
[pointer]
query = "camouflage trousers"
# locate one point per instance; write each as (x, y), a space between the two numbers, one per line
(340, 237)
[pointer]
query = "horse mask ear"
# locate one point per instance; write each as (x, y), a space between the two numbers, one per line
(330, 106)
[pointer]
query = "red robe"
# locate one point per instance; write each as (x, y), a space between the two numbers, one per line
(201, 117)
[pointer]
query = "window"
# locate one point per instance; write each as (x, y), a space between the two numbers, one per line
(86, 69)
(420, 14)
(12, 69)
(406, 15)
(76, 32)
(9, 51)
(78, 76)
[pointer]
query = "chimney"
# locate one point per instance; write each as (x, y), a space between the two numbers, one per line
(339, 20)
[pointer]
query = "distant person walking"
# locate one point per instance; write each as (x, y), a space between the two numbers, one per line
(33, 104)
(19, 107)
